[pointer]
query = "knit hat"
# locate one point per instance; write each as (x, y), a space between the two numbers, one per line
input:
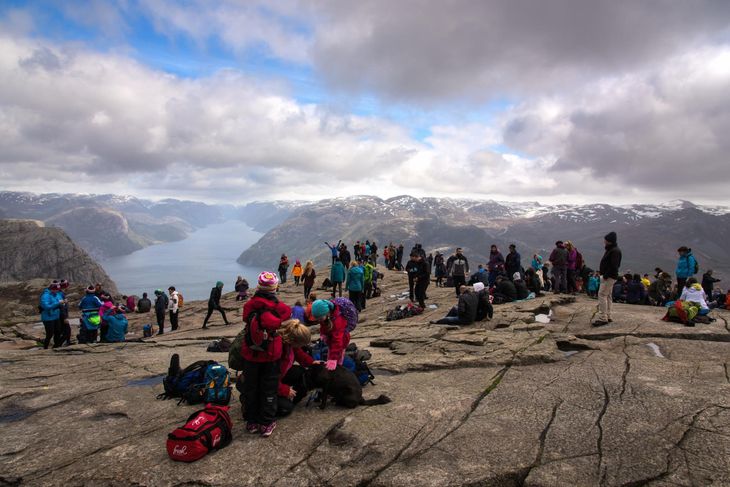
(516, 276)
(219, 284)
(64, 284)
(268, 281)
(90, 289)
(611, 237)
(478, 286)
(158, 291)
(54, 286)
(320, 308)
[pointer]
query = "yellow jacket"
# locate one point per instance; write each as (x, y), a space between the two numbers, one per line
(297, 270)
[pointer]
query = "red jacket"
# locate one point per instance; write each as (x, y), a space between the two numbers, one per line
(337, 338)
(269, 322)
(288, 356)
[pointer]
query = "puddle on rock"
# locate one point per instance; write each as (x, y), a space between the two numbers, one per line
(12, 414)
(152, 380)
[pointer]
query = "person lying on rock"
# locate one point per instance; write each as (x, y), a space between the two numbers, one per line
(465, 312)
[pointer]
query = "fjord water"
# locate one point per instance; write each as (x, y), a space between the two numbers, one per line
(192, 265)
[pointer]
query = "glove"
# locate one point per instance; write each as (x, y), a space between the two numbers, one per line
(331, 364)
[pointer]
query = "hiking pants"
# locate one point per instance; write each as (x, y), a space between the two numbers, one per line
(420, 290)
(161, 322)
(357, 299)
(411, 289)
(458, 282)
(681, 281)
(307, 290)
(604, 299)
(561, 279)
(336, 286)
(451, 318)
(368, 290)
(210, 312)
(173, 320)
(282, 276)
(53, 330)
(296, 280)
(260, 385)
(572, 285)
(65, 331)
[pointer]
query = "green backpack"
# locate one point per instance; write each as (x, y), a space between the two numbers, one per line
(682, 312)
(235, 360)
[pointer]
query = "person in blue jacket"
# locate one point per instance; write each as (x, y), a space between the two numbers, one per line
(337, 276)
(50, 306)
(686, 266)
(89, 307)
(118, 324)
(356, 285)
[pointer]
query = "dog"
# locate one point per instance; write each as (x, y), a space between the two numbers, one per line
(341, 385)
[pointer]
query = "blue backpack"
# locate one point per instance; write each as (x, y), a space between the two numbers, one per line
(201, 381)
(217, 384)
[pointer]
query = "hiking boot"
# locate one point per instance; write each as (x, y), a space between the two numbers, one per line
(205, 327)
(599, 323)
(610, 320)
(267, 430)
(253, 428)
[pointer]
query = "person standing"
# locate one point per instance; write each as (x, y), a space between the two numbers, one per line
(144, 305)
(609, 270)
(399, 257)
(308, 277)
(495, 266)
(337, 276)
(559, 260)
(296, 272)
(65, 323)
(173, 307)
(686, 266)
(214, 304)
(708, 282)
(458, 267)
(356, 285)
(421, 277)
(513, 262)
(345, 256)
(161, 302)
(334, 249)
(283, 267)
(50, 306)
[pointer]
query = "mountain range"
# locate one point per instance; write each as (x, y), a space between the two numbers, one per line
(648, 234)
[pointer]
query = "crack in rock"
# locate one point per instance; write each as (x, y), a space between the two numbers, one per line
(392, 461)
(602, 470)
(627, 369)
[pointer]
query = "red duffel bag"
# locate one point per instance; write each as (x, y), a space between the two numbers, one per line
(205, 430)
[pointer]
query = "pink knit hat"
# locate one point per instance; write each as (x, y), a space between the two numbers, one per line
(268, 281)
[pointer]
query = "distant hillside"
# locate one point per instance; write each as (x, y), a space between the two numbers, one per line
(648, 234)
(32, 251)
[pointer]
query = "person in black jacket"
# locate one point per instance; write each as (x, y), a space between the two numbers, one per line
(609, 269)
(708, 283)
(484, 307)
(161, 301)
(465, 312)
(512, 263)
(520, 286)
(144, 305)
(504, 291)
(214, 303)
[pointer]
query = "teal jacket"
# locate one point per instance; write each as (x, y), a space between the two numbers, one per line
(355, 279)
(50, 305)
(686, 265)
(117, 326)
(337, 273)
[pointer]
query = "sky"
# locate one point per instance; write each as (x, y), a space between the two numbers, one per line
(570, 101)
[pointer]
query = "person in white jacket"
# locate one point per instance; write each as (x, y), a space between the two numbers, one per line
(693, 292)
(172, 306)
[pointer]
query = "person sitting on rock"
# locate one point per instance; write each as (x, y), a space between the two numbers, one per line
(693, 292)
(241, 287)
(520, 286)
(106, 305)
(297, 312)
(660, 291)
(533, 282)
(90, 319)
(332, 331)
(635, 290)
(117, 325)
(465, 312)
(504, 291)
(484, 307)
(620, 290)
(214, 304)
(594, 281)
(144, 305)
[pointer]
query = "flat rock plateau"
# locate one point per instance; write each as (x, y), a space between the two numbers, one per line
(511, 401)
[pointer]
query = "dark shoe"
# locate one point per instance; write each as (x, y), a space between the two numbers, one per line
(205, 327)
(599, 323)
(610, 320)
(267, 430)
(253, 428)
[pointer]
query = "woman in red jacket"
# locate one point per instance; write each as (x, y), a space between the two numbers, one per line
(332, 330)
(261, 350)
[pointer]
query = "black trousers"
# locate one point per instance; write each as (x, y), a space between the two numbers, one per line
(210, 312)
(260, 385)
(368, 290)
(458, 282)
(307, 290)
(420, 291)
(411, 289)
(160, 322)
(173, 320)
(53, 330)
(357, 299)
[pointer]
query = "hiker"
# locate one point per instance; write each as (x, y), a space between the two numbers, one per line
(334, 249)
(512, 263)
(660, 291)
(458, 267)
(283, 267)
(481, 275)
(559, 260)
(296, 272)
(520, 286)
(356, 285)
(345, 256)
(144, 305)
(608, 269)
(399, 257)
(594, 282)
(332, 330)
(308, 276)
(241, 287)
(65, 323)
(368, 271)
(504, 291)
(620, 289)
(418, 274)
(298, 312)
(495, 265)
(262, 352)
(429, 261)
(687, 266)
(50, 306)
(374, 254)
(465, 312)
(161, 303)
(98, 290)
(573, 267)
(440, 269)
(214, 304)
(294, 337)
(533, 282)
(337, 276)
(536, 263)
(645, 281)
(485, 310)
(130, 303)
(90, 320)
(173, 305)
(117, 325)
(309, 319)
(693, 292)
(708, 282)
(635, 291)
(106, 305)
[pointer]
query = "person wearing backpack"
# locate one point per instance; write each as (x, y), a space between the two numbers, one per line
(356, 285)
(609, 269)
(458, 267)
(160, 308)
(687, 266)
(337, 276)
(261, 350)
(332, 331)
(89, 306)
(173, 307)
(368, 270)
(214, 303)
(50, 306)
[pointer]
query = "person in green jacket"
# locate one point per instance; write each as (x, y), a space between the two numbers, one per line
(356, 285)
(337, 276)
(368, 269)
